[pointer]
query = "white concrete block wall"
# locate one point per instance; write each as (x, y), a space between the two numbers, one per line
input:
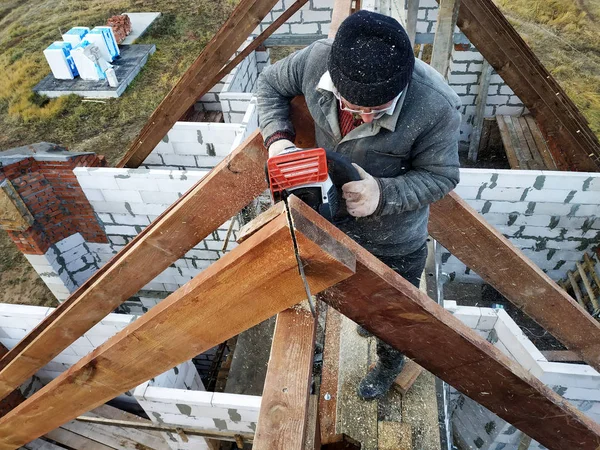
(198, 409)
(66, 265)
(193, 145)
(553, 217)
(310, 23)
(464, 77)
(16, 321)
(479, 428)
(128, 200)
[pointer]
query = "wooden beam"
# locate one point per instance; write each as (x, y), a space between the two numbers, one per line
(248, 285)
(443, 42)
(151, 426)
(403, 316)
(412, 13)
(484, 85)
(466, 234)
(341, 10)
(328, 393)
(205, 72)
(574, 145)
(285, 399)
(230, 186)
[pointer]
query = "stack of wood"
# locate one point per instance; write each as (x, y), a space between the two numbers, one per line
(584, 284)
(121, 26)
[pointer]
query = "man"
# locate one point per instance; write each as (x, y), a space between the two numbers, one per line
(396, 119)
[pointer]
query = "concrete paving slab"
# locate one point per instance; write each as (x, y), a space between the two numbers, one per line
(140, 22)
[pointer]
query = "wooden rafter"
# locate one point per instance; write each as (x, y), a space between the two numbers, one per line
(206, 71)
(444, 36)
(284, 406)
(466, 234)
(403, 316)
(248, 285)
(231, 185)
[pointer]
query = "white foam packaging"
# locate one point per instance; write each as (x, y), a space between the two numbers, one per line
(75, 35)
(89, 62)
(58, 55)
(104, 38)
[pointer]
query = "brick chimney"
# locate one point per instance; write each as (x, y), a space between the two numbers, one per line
(44, 210)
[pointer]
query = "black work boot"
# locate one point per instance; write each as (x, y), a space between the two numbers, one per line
(380, 379)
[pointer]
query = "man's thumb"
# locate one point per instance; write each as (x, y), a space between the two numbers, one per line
(363, 175)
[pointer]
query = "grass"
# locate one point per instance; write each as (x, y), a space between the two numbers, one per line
(564, 34)
(26, 28)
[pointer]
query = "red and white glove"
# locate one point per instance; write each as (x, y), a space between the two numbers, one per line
(362, 197)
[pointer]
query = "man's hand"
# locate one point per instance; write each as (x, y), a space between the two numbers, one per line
(279, 146)
(362, 197)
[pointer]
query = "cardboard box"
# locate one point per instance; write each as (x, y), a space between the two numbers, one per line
(58, 55)
(75, 35)
(104, 38)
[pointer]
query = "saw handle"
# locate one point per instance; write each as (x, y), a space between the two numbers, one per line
(341, 170)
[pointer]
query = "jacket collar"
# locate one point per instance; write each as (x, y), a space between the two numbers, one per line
(388, 121)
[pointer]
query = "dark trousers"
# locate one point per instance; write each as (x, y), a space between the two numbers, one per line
(411, 268)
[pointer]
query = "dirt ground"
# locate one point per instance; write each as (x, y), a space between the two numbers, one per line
(19, 283)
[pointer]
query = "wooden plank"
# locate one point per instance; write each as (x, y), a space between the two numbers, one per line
(509, 146)
(412, 13)
(284, 406)
(576, 289)
(73, 440)
(480, 104)
(466, 234)
(254, 281)
(312, 435)
(523, 144)
(443, 42)
(587, 286)
(341, 10)
(590, 264)
(540, 143)
(230, 186)
(329, 377)
(577, 147)
(408, 376)
(118, 436)
(206, 71)
(404, 317)
(14, 398)
(394, 436)
(519, 144)
(538, 162)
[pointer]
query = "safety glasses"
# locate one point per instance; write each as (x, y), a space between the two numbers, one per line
(376, 113)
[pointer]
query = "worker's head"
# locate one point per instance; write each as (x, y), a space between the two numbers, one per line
(370, 63)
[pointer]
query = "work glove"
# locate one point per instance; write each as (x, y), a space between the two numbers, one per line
(279, 146)
(362, 197)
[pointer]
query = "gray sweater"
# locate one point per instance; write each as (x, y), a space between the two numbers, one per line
(413, 153)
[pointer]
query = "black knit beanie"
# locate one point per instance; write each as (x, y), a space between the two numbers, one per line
(371, 60)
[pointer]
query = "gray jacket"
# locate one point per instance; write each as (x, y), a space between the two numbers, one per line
(413, 153)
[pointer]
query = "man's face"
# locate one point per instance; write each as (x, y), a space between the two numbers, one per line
(367, 114)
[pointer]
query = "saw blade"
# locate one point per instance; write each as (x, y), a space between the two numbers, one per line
(309, 297)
